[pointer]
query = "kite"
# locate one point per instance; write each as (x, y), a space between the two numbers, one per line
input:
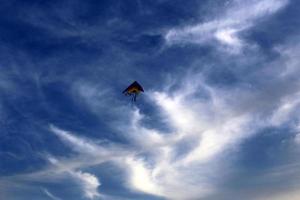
(133, 90)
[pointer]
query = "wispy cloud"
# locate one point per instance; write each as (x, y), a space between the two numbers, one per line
(206, 131)
(89, 183)
(50, 195)
(225, 28)
(207, 123)
(90, 154)
(78, 144)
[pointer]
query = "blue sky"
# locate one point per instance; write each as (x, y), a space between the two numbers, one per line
(219, 119)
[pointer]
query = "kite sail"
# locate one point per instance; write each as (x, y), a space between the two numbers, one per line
(133, 90)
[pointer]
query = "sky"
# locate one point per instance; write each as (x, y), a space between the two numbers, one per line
(219, 118)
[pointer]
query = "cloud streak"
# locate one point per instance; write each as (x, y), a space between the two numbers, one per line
(50, 195)
(206, 131)
(88, 182)
(205, 124)
(226, 28)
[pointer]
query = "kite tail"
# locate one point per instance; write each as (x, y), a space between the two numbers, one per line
(134, 97)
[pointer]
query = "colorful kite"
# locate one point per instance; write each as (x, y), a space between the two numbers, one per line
(133, 90)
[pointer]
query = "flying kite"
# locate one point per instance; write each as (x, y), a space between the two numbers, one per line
(133, 90)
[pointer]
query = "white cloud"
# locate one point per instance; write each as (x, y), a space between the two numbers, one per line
(165, 178)
(288, 107)
(215, 126)
(78, 144)
(229, 37)
(141, 177)
(88, 182)
(205, 131)
(226, 27)
(189, 161)
(95, 96)
(160, 172)
(90, 154)
(212, 122)
(50, 195)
